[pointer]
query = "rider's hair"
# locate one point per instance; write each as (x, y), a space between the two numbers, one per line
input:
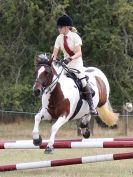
(73, 29)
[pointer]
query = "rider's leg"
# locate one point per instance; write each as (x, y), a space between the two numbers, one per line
(88, 93)
(78, 64)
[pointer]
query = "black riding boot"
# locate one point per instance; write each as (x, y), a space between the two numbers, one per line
(88, 95)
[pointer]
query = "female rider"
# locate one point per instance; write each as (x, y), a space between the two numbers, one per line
(70, 43)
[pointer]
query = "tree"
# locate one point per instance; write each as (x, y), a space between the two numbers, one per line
(107, 31)
(28, 27)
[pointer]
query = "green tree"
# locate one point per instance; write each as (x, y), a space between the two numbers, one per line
(106, 27)
(28, 27)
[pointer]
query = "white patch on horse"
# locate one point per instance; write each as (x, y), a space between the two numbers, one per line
(71, 93)
(42, 69)
(45, 103)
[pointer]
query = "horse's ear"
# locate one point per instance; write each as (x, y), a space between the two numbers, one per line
(43, 58)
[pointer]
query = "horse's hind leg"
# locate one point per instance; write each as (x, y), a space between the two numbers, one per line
(55, 128)
(84, 125)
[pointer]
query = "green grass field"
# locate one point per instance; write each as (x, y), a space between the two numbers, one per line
(23, 130)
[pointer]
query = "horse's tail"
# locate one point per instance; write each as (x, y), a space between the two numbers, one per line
(107, 116)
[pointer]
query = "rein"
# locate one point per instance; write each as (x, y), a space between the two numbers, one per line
(73, 70)
(48, 88)
(70, 70)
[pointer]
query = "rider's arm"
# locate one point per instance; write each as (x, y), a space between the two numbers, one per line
(78, 44)
(55, 53)
(78, 53)
(56, 48)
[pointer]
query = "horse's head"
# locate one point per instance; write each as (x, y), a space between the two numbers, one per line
(44, 73)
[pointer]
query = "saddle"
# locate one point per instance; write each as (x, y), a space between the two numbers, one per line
(78, 83)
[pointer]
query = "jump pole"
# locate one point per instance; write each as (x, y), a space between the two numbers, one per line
(64, 162)
(73, 140)
(68, 144)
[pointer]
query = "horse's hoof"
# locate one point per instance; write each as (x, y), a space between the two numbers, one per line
(37, 142)
(86, 134)
(115, 126)
(49, 150)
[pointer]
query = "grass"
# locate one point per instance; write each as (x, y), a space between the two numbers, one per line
(23, 130)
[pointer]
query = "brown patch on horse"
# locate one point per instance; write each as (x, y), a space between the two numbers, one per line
(58, 105)
(102, 91)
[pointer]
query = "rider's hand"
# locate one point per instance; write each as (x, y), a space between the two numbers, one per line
(53, 57)
(67, 60)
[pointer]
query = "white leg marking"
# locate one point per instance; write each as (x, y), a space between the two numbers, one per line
(55, 128)
(38, 116)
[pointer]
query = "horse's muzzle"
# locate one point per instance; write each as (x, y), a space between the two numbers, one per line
(37, 92)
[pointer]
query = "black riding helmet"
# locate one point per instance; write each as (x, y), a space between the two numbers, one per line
(64, 20)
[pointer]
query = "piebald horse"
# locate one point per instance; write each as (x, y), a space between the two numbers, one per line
(61, 96)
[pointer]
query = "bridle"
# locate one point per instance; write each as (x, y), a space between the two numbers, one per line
(47, 80)
(44, 83)
(45, 86)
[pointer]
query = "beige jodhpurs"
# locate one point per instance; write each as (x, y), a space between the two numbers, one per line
(78, 64)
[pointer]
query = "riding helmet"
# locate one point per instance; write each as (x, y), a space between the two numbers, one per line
(64, 20)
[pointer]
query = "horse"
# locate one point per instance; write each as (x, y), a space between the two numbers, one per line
(62, 101)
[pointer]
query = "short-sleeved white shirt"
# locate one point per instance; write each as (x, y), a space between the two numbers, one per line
(73, 40)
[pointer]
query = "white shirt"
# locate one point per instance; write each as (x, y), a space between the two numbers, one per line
(73, 40)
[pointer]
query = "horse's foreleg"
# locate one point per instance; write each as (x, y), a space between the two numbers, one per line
(37, 140)
(55, 128)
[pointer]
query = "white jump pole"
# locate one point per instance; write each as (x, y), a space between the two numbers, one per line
(68, 144)
(64, 162)
(72, 140)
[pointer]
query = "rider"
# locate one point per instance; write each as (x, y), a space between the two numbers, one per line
(70, 43)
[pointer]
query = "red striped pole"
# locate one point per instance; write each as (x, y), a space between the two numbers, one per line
(123, 139)
(74, 140)
(68, 144)
(62, 162)
(44, 141)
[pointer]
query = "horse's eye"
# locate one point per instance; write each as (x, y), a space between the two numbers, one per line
(46, 72)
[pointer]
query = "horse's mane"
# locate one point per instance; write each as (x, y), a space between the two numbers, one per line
(57, 63)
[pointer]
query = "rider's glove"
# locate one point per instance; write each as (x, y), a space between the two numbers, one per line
(67, 60)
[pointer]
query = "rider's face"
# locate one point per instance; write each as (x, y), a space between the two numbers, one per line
(63, 29)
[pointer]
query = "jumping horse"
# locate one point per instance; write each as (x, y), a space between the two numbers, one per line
(62, 100)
